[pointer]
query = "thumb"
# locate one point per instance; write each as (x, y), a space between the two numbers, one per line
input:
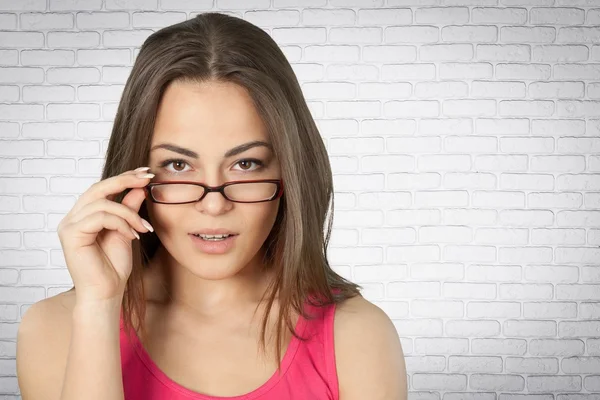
(134, 199)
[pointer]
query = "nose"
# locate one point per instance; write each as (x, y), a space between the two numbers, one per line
(213, 203)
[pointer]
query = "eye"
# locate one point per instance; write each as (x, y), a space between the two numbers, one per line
(251, 160)
(173, 161)
(178, 161)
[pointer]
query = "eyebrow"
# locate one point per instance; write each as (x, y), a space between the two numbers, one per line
(232, 152)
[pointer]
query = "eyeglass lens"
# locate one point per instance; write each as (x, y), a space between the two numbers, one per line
(181, 192)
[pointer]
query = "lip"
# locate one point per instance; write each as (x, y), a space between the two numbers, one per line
(214, 247)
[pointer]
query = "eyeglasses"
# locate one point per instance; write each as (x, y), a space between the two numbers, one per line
(183, 192)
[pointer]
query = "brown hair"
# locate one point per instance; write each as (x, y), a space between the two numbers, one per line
(220, 47)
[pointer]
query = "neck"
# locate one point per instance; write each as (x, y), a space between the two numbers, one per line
(175, 286)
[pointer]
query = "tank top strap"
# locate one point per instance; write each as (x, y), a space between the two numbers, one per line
(319, 347)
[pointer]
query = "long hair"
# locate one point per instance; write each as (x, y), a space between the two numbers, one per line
(220, 47)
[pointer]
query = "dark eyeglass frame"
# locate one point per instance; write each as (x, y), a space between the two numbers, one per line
(221, 189)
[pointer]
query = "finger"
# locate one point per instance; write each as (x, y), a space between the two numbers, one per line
(100, 220)
(130, 172)
(110, 186)
(120, 210)
(134, 199)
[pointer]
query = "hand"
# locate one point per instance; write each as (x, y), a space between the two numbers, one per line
(96, 236)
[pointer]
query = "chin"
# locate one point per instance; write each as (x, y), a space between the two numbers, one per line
(213, 274)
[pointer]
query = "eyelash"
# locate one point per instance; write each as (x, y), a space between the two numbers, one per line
(172, 160)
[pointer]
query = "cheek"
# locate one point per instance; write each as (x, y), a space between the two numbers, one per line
(270, 212)
(164, 218)
(261, 219)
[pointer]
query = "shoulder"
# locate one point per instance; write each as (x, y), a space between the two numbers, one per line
(369, 357)
(43, 338)
(53, 313)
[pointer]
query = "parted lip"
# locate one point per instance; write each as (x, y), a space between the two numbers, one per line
(213, 232)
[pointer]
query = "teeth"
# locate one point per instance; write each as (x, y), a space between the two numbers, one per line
(213, 236)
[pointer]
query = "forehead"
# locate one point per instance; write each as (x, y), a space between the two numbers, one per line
(207, 117)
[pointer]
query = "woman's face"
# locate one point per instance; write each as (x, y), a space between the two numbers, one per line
(208, 120)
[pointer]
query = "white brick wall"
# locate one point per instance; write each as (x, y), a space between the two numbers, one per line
(464, 137)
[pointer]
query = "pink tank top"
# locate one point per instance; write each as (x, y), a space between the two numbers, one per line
(308, 368)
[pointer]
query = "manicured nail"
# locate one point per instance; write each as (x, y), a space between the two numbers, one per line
(135, 233)
(141, 169)
(143, 176)
(147, 225)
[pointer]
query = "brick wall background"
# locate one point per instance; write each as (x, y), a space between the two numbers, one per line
(464, 137)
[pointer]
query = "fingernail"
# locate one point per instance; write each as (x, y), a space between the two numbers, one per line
(141, 169)
(135, 233)
(147, 225)
(142, 176)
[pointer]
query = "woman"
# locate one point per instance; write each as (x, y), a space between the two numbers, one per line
(231, 199)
